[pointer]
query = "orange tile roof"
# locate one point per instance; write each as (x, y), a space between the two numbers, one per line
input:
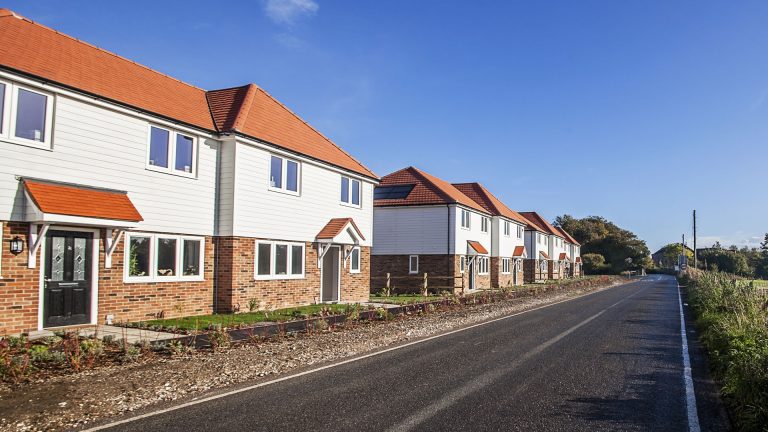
(252, 111)
(478, 247)
(335, 226)
(488, 201)
(544, 254)
(540, 223)
(36, 50)
(563, 257)
(578, 259)
(74, 200)
(519, 251)
(428, 190)
(567, 236)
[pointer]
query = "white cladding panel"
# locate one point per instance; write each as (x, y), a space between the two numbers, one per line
(263, 213)
(556, 246)
(410, 230)
(226, 188)
(95, 146)
(473, 233)
(504, 246)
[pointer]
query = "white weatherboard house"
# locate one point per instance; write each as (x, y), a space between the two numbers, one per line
(423, 224)
(126, 194)
(507, 236)
(537, 239)
(573, 252)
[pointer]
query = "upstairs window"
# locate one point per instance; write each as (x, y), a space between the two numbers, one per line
(465, 219)
(284, 175)
(506, 228)
(171, 152)
(350, 191)
(25, 115)
(519, 232)
(484, 224)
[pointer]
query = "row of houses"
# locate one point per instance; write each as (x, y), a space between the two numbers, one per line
(126, 194)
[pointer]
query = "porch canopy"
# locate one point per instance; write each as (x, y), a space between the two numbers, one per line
(476, 248)
(564, 257)
(54, 203)
(519, 252)
(544, 255)
(338, 231)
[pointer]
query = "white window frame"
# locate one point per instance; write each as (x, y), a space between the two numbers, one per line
(352, 260)
(2, 247)
(171, 169)
(9, 116)
(153, 241)
(411, 269)
(484, 222)
(462, 263)
(273, 261)
(507, 228)
(505, 266)
(482, 265)
(349, 202)
(468, 219)
(284, 172)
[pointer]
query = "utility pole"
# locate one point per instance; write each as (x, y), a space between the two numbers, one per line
(695, 238)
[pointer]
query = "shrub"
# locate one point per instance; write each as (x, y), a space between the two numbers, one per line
(219, 339)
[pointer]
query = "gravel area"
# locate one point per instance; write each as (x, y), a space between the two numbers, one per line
(74, 401)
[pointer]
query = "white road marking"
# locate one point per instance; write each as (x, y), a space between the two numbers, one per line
(690, 396)
(194, 402)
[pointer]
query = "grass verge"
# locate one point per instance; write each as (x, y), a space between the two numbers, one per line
(732, 316)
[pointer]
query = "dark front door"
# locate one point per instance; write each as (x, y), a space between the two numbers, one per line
(472, 269)
(330, 277)
(67, 294)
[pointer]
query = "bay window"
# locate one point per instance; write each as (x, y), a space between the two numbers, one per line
(26, 115)
(279, 260)
(161, 258)
(170, 151)
(283, 175)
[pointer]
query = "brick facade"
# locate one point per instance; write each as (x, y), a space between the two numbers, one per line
(443, 274)
(20, 287)
(556, 270)
(500, 279)
(237, 285)
(533, 273)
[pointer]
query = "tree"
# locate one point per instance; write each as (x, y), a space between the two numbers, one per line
(594, 263)
(671, 255)
(600, 236)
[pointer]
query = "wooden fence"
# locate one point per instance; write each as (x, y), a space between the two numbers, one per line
(424, 283)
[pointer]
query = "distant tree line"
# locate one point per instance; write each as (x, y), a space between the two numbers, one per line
(747, 262)
(605, 247)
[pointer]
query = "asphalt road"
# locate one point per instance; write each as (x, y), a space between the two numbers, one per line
(607, 361)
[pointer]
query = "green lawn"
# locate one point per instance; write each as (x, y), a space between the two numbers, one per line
(760, 283)
(405, 299)
(202, 322)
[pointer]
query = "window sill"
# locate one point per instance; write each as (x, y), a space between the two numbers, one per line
(27, 143)
(357, 206)
(283, 191)
(280, 277)
(163, 280)
(167, 171)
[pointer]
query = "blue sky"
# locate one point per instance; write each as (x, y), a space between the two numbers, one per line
(638, 111)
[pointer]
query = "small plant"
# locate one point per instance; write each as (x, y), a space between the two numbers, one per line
(321, 325)
(176, 347)
(382, 314)
(431, 308)
(219, 339)
(253, 305)
(131, 353)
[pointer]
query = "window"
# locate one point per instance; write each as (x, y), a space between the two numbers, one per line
(392, 192)
(484, 224)
(413, 264)
(519, 232)
(159, 258)
(482, 265)
(462, 263)
(465, 219)
(354, 261)
(505, 265)
(506, 228)
(279, 260)
(178, 158)
(350, 191)
(284, 175)
(25, 115)
(2, 236)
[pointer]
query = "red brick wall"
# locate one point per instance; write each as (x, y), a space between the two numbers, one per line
(556, 270)
(438, 267)
(237, 284)
(532, 271)
(19, 286)
(19, 290)
(499, 279)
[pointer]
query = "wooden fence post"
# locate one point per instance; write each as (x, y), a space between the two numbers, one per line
(388, 291)
(425, 292)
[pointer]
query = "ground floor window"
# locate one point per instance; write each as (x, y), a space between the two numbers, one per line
(482, 265)
(2, 233)
(462, 263)
(279, 260)
(354, 260)
(505, 265)
(413, 264)
(161, 257)
(543, 265)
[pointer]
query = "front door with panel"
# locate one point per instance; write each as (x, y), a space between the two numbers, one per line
(67, 289)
